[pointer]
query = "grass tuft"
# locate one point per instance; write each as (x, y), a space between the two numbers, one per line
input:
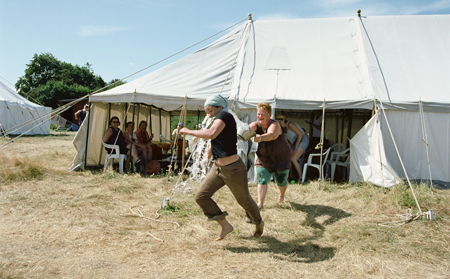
(19, 170)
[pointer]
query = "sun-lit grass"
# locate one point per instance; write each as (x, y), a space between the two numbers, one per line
(57, 224)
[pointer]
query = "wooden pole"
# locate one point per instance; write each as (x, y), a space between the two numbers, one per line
(349, 131)
(321, 140)
(342, 126)
(184, 136)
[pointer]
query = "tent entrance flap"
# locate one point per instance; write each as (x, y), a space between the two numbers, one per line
(368, 160)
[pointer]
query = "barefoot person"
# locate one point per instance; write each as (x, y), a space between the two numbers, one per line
(274, 153)
(228, 168)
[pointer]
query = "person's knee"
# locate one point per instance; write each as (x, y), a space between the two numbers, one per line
(200, 198)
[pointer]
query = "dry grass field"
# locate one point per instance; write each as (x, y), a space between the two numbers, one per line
(59, 224)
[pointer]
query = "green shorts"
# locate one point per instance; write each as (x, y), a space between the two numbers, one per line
(280, 177)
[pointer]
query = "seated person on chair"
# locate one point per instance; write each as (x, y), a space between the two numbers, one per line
(297, 138)
(145, 141)
(130, 137)
(150, 151)
(114, 136)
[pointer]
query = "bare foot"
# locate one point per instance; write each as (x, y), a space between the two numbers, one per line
(259, 229)
(226, 229)
(281, 199)
(260, 206)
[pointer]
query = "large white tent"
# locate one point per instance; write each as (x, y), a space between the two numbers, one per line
(399, 63)
(19, 116)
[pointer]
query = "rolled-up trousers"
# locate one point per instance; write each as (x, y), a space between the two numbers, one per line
(234, 176)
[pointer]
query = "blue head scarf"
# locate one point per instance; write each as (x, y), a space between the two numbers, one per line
(217, 100)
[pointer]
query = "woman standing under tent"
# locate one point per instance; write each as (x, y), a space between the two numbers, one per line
(228, 168)
(297, 138)
(114, 136)
(274, 153)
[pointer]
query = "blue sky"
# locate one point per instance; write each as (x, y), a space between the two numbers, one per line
(120, 37)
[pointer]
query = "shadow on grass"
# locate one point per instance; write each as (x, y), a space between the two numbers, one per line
(293, 251)
(313, 211)
(301, 250)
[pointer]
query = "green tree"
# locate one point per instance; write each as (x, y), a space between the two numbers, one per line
(191, 121)
(115, 82)
(48, 80)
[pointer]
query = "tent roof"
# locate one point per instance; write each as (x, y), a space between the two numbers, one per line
(13, 99)
(348, 62)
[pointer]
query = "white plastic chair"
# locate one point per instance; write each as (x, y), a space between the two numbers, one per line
(115, 153)
(335, 149)
(317, 166)
(337, 160)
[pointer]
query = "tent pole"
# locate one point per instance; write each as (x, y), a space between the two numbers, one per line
(87, 136)
(321, 140)
(184, 136)
(160, 122)
(130, 167)
(349, 131)
(342, 126)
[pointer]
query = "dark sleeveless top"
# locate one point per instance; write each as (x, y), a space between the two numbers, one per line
(224, 144)
(274, 155)
(81, 117)
(120, 141)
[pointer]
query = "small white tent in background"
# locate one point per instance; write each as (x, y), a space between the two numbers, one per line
(19, 116)
(350, 63)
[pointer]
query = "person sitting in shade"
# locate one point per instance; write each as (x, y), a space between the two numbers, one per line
(297, 138)
(274, 153)
(145, 141)
(131, 138)
(114, 136)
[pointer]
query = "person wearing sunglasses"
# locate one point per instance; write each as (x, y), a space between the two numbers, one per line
(114, 136)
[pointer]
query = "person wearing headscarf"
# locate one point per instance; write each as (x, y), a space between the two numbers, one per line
(228, 168)
(274, 153)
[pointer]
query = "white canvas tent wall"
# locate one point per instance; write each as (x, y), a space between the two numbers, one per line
(16, 110)
(297, 64)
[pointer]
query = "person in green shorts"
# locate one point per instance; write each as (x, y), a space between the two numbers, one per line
(274, 153)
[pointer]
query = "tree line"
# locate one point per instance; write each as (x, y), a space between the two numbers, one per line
(48, 80)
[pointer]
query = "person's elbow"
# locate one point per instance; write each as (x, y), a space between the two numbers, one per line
(210, 135)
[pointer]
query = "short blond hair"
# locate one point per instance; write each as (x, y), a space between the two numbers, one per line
(265, 106)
